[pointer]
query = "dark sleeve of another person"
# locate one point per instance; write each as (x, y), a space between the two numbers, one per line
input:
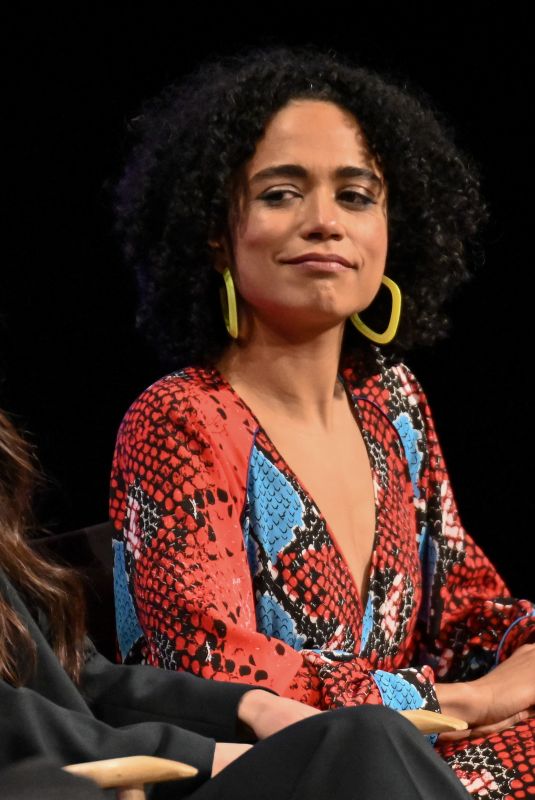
(116, 711)
(120, 694)
(31, 725)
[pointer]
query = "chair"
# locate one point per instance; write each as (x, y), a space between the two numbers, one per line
(128, 776)
(89, 550)
(431, 722)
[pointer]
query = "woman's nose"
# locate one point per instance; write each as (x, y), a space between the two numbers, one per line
(321, 219)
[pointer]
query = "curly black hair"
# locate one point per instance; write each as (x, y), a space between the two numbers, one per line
(176, 191)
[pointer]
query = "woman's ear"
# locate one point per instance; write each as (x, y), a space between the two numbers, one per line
(221, 253)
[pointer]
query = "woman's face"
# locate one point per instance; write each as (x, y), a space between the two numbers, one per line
(310, 241)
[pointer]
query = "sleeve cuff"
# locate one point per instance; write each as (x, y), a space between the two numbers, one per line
(407, 689)
(521, 631)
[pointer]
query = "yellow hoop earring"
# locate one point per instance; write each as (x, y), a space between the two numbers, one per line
(395, 314)
(227, 294)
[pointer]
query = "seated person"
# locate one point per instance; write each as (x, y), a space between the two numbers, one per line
(63, 702)
(282, 510)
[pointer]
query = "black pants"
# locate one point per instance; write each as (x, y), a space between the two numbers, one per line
(365, 753)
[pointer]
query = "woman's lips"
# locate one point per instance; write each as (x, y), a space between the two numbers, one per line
(322, 263)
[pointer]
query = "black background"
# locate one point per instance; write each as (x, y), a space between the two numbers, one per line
(71, 360)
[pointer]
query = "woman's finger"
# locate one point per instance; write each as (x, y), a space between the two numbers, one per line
(496, 727)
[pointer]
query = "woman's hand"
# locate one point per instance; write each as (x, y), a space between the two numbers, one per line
(267, 713)
(497, 700)
(264, 713)
(488, 730)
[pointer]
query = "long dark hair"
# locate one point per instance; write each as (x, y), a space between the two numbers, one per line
(47, 586)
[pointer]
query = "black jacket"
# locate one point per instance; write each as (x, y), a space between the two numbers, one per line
(116, 711)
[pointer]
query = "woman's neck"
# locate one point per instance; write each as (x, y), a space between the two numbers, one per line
(297, 380)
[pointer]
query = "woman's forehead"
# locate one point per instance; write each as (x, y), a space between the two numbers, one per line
(314, 133)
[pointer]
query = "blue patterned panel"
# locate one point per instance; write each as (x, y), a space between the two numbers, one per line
(274, 506)
(399, 694)
(396, 692)
(273, 620)
(410, 438)
(367, 624)
(128, 629)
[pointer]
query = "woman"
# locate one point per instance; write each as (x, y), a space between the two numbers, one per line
(62, 702)
(282, 509)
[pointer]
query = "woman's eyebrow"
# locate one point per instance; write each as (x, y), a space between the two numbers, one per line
(297, 171)
(359, 172)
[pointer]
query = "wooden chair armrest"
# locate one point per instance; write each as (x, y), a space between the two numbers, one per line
(431, 722)
(132, 770)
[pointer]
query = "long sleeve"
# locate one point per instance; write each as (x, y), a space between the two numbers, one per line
(114, 712)
(117, 710)
(469, 618)
(120, 694)
(183, 587)
(32, 725)
(181, 503)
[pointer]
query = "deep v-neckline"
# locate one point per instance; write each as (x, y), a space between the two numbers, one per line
(353, 402)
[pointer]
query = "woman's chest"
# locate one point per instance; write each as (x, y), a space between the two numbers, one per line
(334, 471)
(348, 522)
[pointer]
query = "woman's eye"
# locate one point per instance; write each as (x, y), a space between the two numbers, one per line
(350, 197)
(355, 198)
(276, 196)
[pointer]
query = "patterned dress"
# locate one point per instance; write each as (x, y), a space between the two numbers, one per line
(224, 565)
